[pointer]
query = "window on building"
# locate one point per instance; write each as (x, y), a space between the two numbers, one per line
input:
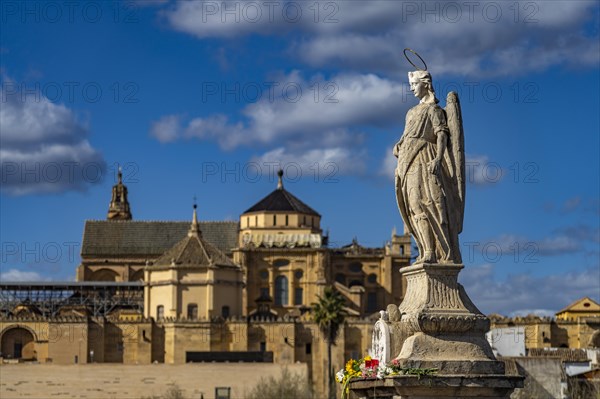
(401, 249)
(281, 291)
(192, 311)
(223, 393)
(304, 220)
(371, 302)
(264, 291)
(264, 274)
(355, 267)
(298, 274)
(281, 262)
(225, 312)
(274, 220)
(286, 220)
(308, 348)
(255, 220)
(340, 278)
(372, 278)
(263, 346)
(160, 312)
(355, 282)
(298, 296)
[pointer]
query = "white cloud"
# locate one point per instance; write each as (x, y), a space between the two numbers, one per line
(218, 128)
(481, 172)
(44, 147)
(537, 312)
(523, 293)
(326, 163)
(531, 249)
(486, 38)
(581, 233)
(234, 18)
(310, 120)
(388, 165)
(19, 275)
(166, 129)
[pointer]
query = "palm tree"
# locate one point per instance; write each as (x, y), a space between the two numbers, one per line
(329, 314)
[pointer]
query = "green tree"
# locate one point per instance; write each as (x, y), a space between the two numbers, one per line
(329, 314)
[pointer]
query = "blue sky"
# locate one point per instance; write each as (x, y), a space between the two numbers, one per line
(205, 99)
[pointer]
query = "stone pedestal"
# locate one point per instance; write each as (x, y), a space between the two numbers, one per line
(437, 326)
(446, 326)
(430, 387)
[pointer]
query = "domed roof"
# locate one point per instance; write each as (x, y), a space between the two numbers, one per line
(281, 200)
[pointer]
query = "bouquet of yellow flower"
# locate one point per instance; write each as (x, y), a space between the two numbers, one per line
(371, 368)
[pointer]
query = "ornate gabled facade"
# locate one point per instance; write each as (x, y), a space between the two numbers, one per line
(193, 279)
(582, 308)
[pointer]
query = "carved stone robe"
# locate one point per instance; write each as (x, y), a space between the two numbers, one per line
(422, 195)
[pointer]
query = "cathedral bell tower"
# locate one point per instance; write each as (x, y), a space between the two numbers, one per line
(119, 205)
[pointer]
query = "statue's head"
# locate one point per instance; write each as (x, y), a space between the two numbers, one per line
(420, 84)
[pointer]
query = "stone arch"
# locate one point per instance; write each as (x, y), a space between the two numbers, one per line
(104, 275)
(18, 342)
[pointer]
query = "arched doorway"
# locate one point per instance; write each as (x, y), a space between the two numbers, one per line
(18, 343)
(104, 275)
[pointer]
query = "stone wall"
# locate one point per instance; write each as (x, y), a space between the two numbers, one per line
(543, 378)
(64, 341)
(103, 381)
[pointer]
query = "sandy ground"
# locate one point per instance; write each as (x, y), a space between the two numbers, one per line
(136, 381)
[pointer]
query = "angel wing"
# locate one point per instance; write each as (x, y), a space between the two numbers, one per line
(456, 153)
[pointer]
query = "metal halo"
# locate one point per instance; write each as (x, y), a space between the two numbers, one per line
(411, 63)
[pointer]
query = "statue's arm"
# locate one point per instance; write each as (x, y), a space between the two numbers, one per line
(440, 128)
(442, 140)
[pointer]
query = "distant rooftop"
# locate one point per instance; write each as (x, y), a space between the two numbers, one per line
(152, 238)
(282, 200)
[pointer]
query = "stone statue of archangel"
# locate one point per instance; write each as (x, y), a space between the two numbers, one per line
(430, 176)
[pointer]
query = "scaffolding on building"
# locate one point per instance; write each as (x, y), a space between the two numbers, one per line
(47, 299)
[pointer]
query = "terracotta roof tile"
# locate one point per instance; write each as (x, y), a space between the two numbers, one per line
(153, 238)
(565, 354)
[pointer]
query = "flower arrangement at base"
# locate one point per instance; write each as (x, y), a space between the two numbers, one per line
(371, 368)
